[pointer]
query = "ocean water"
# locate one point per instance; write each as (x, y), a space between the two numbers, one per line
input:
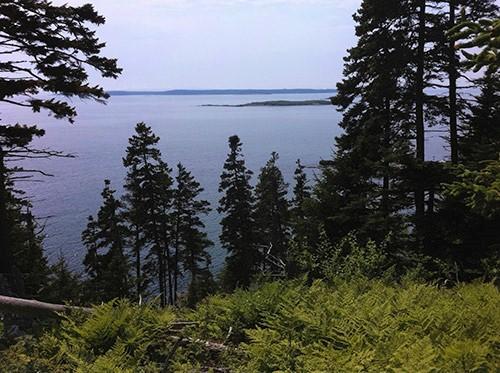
(189, 133)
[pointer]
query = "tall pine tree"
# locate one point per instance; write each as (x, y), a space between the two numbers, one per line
(106, 262)
(272, 216)
(148, 188)
(238, 232)
(190, 241)
(362, 189)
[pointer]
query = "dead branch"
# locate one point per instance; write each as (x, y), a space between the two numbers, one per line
(31, 307)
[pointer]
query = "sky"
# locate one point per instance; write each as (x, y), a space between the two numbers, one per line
(210, 44)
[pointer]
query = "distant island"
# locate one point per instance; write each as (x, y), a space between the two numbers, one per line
(191, 92)
(276, 103)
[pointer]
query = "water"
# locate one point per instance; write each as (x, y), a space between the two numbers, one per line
(191, 134)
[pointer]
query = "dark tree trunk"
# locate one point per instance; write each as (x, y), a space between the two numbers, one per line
(452, 76)
(6, 260)
(138, 274)
(176, 262)
(419, 122)
(168, 267)
(386, 180)
(161, 277)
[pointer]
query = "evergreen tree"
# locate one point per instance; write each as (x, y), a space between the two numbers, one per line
(190, 242)
(362, 189)
(302, 220)
(135, 215)
(64, 286)
(466, 224)
(301, 189)
(272, 218)
(236, 205)
(148, 196)
(106, 262)
(480, 138)
(29, 256)
(48, 66)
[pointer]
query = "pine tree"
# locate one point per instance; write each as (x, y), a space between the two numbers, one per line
(148, 197)
(480, 138)
(135, 215)
(467, 234)
(238, 231)
(29, 255)
(64, 285)
(304, 225)
(301, 204)
(190, 241)
(272, 218)
(362, 189)
(48, 67)
(301, 189)
(106, 262)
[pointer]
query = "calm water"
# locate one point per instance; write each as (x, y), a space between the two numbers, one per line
(196, 136)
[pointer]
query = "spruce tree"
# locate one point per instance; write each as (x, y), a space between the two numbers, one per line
(272, 217)
(148, 198)
(190, 241)
(301, 189)
(238, 233)
(303, 222)
(29, 255)
(362, 189)
(301, 203)
(106, 262)
(135, 213)
(480, 138)
(49, 66)
(64, 285)
(467, 234)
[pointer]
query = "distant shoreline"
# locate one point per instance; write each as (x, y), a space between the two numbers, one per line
(193, 92)
(275, 103)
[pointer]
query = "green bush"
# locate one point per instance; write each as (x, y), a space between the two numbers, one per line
(355, 326)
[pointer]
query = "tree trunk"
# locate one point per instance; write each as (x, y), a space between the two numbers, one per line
(168, 269)
(138, 274)
(33, 307)
(452, 76)
(176, 261)
(6, 260)
(386, 180)
(419, 123)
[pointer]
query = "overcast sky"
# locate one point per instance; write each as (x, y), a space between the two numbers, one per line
(167, 44)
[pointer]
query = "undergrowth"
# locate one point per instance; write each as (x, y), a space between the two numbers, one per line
(357, 326)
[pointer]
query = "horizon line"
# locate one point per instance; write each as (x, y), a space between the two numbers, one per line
(221, 91)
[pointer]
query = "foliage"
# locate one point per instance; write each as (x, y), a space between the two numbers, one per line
(480, 138)
(484, 35)
(47, 51)
(117, 337)
(362, 187)
(272, 216)
(238, 226)
(480, 189)
(191, 242)
(149, 194)
(350, 326)
(64, 286)
(106, 262)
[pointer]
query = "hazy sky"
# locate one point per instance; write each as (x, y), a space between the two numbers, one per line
(165, 44)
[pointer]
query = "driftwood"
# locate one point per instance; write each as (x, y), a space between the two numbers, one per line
(30, 307)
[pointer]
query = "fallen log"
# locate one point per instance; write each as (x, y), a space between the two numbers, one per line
(31, 307)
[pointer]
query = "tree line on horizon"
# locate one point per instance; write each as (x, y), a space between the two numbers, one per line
(378, 208)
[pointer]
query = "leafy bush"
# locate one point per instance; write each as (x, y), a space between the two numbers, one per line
(359, 325)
